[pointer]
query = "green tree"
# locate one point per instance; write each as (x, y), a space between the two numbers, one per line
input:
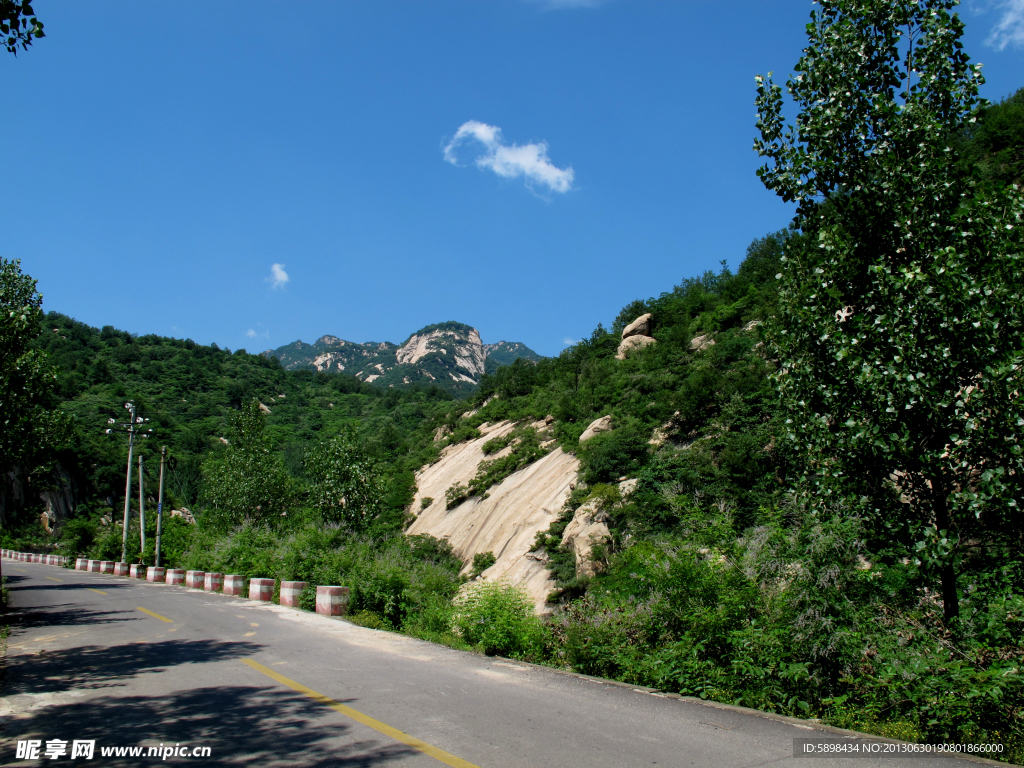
(249, 484)
(29, 425)
(348, 486)
(900, 324)
(18, 24)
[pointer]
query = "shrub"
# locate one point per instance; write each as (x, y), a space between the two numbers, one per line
(481, 562)
(498, 618)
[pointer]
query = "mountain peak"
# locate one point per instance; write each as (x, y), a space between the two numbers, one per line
(449, 355)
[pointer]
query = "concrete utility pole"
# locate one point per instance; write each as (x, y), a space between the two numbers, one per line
(142, 514)
(128, 487)
(134, 426)
(160, 504)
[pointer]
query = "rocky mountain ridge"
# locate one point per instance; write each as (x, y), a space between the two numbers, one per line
(450, 355)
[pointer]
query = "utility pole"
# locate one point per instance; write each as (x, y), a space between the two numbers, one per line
(134, 426)
(127, 487)
(160, 504)
(142, 514)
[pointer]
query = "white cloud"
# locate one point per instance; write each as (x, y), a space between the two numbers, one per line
(568, 342)
(278, 277)
(509, 160)
(1009, 30)
(251, 334)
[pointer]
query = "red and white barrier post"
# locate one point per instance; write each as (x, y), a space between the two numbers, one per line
(137, 571)
(213, 582)
(332, 601)
(291, 591)
(156, 574)
(194, 579)
(174, 576)
(261, 589)
(234, 584)
(121, 569)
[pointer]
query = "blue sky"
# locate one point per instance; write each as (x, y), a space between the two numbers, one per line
(527, 167)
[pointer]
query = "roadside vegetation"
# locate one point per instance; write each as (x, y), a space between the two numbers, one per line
(826, 521)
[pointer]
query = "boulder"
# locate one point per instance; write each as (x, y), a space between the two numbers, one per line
(751, 325)
(700, 343)
(632, 343)
(589, 528)
(604, 424)
(642, 326)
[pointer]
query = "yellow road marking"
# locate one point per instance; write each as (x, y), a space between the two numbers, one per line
(53, 579)
(249, 634)
(156, 615)
(97, 591)
(432, 751)
(21, 569)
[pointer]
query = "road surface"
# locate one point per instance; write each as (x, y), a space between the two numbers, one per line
(125, 663)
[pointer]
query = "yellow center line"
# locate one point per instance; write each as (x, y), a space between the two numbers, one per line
(155, 615)
(359, 717)
(53, 579)
(21, 569)
(97, 591)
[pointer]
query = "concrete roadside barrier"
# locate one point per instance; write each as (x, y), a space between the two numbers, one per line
(261, 589)
(234, 584)
(332, 601)
(194, 579)
(291, 592)
(106, 566)
(174, 576)
(136, 571)
(94, 566)
(81, 564)
(156, 574)
(213, 582)
(120, 569)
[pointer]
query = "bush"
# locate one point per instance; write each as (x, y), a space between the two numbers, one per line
(498, 618)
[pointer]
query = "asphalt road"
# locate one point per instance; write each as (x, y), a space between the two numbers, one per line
(127, 663)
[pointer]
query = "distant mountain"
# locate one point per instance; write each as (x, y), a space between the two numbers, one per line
(449, 355)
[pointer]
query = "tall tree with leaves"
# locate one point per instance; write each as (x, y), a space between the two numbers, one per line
(29, 425)
(249, 483)
(901, 315)
(348, 486)
(18, 24)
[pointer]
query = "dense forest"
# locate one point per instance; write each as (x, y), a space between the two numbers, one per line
(737, 570)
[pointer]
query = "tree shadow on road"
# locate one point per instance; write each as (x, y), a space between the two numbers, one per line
(240, 724)
(94, 666)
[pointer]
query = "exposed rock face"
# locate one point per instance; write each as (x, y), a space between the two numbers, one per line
(631, 344)
(507, 521)
(449, 355)
(604, 424)
(589, 528)
(700, 343)
(636, 335)
(466, 349)
(642, 326)
(751, 325)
